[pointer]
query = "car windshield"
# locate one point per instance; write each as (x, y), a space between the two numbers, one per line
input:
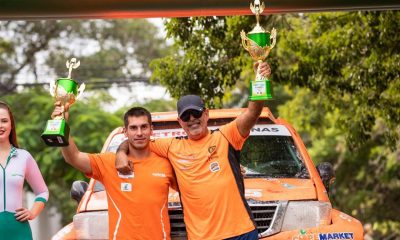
(272, 156)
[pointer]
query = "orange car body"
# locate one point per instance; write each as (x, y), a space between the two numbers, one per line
(285, 205)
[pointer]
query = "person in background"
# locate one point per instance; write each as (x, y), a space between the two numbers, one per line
(17, 165)
(207, 168)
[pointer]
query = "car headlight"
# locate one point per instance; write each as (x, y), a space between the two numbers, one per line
(91, 225)
(306, 214)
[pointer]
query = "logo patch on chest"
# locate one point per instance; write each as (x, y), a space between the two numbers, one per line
(211, 149)
(214, 167)
(158, 174)
(126, 187)
(17, 175)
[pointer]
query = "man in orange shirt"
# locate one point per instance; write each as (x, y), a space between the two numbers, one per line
(137, 202)
(208, 171)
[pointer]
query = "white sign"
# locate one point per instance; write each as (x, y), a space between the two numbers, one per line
(257, 130)
(269, 130)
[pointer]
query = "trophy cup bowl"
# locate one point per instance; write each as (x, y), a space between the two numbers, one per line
(66, 91)
(259, 42)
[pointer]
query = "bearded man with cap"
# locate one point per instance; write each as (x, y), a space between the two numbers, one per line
(207, 168)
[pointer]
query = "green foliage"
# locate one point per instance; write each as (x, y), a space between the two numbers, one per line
(353, 60)
(160, 105)
(156, 105)
(349, 116)
(120, 49)
(109, 51)
(208, 58)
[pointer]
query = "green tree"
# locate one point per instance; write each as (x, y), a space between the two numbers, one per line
(156, 105)
(353, 59)
(109, 51)
(208, 59)
(349, 62)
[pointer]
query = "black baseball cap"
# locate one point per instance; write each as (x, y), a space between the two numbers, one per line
(189, 102)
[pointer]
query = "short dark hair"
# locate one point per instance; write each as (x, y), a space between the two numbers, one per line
(13, 134)
(137, 112)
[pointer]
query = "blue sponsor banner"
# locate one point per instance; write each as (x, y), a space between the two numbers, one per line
(336, 236)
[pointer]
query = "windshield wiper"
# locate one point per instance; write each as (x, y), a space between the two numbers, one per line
(255, 175)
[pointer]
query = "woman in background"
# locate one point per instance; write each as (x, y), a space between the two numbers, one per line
(16, 165)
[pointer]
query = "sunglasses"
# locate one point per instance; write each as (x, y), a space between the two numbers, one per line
(186, 115)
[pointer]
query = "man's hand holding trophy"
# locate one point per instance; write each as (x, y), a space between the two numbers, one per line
(65, 92)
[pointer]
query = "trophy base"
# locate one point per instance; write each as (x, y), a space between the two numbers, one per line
(56, 133)
(260, 90)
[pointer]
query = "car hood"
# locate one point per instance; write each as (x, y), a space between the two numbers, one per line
(273, 189)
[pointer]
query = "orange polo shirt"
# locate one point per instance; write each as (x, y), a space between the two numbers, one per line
(137, 206)
(210, 183)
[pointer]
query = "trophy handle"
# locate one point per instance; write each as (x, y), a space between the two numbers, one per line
(80, 90)
(244, 40)
(52, 89)
(273, 37)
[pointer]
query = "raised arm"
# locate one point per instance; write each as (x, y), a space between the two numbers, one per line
(249, 117)
(72, 155)
(77, 159)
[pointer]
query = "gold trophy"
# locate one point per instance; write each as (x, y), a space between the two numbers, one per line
(259, 42)
(66, 91)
